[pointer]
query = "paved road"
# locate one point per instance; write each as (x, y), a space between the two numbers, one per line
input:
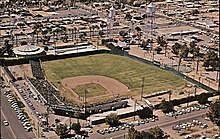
(164, 122)
(15, 129)
(6, 131)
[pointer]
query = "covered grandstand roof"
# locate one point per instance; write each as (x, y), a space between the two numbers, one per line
(28, 50)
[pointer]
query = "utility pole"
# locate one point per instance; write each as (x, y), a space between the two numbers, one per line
(218, 71)
(187, 104)
(170, 93)
(85, 101)
(219, 79)
(55, 47)
(142, 88)
(153, 53)
(38, 130)
(70, 121)
(195, 88)
(197, 65)
(135, 108)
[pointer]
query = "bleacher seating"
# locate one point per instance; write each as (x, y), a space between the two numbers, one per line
(36, 68)
(46, 90)
(55, 100)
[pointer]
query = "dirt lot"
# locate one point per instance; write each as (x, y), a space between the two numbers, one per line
(174, 29)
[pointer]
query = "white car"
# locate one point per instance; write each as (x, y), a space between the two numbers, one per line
(188, 137)
(5, 123)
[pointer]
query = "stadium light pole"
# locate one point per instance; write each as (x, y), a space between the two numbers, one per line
(142, 88)
(85, 100)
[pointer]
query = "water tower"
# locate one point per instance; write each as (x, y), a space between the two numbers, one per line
(168, 5)
(151, 10)
(111, 18)
(112, 12)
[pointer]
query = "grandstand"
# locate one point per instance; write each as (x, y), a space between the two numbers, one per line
(36, 68)
(49, 93)
(53, 98)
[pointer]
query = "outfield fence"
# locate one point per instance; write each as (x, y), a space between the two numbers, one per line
(118, 51)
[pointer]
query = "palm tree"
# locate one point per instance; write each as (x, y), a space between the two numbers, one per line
(16, 39)
(166, 106)
(138, 29)
(197, 54)
(93, 28)
(54, 32)
(112, 119)
(133, 134)
(72, 33)
(45, 32)
(90, 31)
(139, 38)
(75, 30)
(7, 48)
(77, 115)
(46, 116)
(211, 60)
(180, 59)
(61, 130)
(162, 42)
(214, 113)
(194, 49)
(183, 53)
(102, 26)
(37, 29)
(156, 132)
(97, 28)
(170, 94)
(176, 48)
(56, 121)
(159, 38)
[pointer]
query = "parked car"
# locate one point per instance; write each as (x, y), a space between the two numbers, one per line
(101, 131)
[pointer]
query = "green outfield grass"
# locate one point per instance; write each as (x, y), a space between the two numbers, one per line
(93, 90)
(125, 70)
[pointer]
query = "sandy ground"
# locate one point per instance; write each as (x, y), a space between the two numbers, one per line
(112, 86)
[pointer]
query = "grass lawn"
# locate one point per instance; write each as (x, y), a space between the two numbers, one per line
(123, 69)
(93, 90)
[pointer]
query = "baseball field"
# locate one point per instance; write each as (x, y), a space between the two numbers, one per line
(106, 76)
